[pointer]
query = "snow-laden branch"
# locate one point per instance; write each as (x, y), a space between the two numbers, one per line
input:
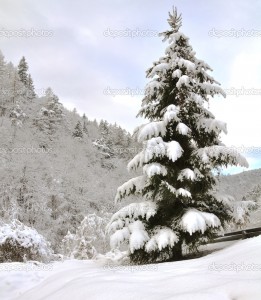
(156, 147)
(194, 220)
(159, 128)
(135, 184)
(210, 124)
(138, 236)
(177, 192)
(154, 169)
(223, 154)
(131, 212)
(187, 174)
(162, 238)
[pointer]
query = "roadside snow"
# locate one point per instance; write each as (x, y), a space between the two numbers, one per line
(231, 273)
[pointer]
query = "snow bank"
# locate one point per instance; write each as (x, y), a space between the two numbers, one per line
(232, 273)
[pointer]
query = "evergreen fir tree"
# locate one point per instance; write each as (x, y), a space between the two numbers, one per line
(85, 130)
(181, 149)
(104, 128)
(51, 114)
(78, 130)
(30, 86)
(3, 83)
(49, 93)
(22, 70)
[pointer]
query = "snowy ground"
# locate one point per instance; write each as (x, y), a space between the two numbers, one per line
(231, 273)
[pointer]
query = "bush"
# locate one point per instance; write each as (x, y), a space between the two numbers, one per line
(20, 243)
(89, 239)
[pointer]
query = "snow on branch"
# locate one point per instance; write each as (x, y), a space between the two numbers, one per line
(225, 199)
(183, 192)
(137, 161)
(169, 187)
(171, 113)
(183, 80)
(154, 169)
(152, 129)
(194, 220)
(177, 192)
(138, 237)
(119, 237)
(158, 128)
(214, 125)
(187, 174)
(159, 68)
(132, 211)
(184, 63)
(211, 89)
(174, 150)
(152, 86)
(177, 73)
(136, 184)
(224, 154)
(162, 238)
(183, 129)
(173, 38)
(156, 147)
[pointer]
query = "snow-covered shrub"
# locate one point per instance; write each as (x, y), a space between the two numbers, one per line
(89, 239)
(103, 146)
(19, 243)
(17, 116)
(113, 257)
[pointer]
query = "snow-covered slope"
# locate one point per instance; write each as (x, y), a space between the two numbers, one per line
(231, 273)
(244, 185)
(239, 185)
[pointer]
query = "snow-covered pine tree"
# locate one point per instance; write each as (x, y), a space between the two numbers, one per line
(30, 85)
(17, 116)
(3, 79)
(84, 126)
(22, 70)
(181, 149)
(78, 130)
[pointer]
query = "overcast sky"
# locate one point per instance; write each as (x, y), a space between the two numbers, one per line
(82, 54)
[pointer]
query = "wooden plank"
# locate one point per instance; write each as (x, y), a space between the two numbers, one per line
(238, 235)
